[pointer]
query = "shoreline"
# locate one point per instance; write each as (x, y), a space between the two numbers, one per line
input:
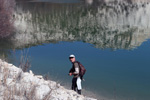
(18, 85)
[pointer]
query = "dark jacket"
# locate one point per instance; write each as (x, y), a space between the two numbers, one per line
(75, 69)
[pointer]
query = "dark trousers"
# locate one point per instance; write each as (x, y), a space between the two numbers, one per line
(74, 85)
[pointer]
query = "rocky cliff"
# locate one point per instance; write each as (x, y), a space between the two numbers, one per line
(18, 85)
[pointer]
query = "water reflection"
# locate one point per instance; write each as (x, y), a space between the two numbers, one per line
(89, 1)
(105, 24)
(59, 1)
(116, 25)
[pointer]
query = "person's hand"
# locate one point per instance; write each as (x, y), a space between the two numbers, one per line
(70, 74)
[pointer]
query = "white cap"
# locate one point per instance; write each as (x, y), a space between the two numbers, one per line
(72, 56)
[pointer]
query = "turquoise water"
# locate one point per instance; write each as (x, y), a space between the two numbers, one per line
(111, 39)
(114, 74)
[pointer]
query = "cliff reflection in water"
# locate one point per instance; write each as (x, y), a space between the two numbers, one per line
(116, 25)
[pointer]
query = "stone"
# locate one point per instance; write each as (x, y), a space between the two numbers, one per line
(32, 86)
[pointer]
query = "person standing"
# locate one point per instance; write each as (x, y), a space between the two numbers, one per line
(75, 71)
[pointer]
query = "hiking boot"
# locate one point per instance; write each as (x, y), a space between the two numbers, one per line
(79, 92)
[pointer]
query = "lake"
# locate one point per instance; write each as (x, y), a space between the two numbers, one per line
(110, 38)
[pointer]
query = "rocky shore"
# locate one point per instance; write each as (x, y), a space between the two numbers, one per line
(18, 85)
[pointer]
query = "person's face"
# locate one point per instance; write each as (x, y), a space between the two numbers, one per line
(72, 59)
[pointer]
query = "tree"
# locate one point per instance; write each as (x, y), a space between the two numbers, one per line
(6, 17)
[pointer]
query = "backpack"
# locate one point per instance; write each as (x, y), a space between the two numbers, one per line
(82, 70)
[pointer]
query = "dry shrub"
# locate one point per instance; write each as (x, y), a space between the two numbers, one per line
(30, 95)
(5, 76)
(17, 90)
(0, 67)
(24, 61)
(6, 17)
(48, 95)
(6, 94)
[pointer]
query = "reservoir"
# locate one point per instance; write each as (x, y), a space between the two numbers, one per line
(110, 38)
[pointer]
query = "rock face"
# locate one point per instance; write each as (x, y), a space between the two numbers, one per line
(118, 25)
(18, 85)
